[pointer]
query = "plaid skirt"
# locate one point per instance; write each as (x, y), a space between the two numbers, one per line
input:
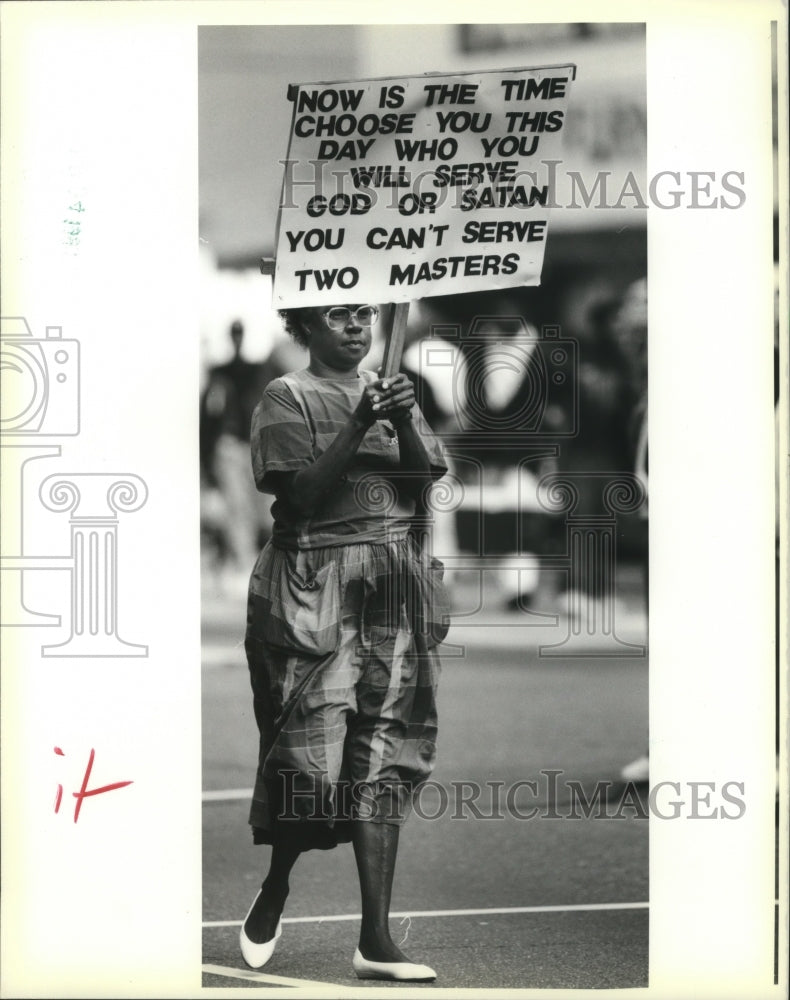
(341, 650)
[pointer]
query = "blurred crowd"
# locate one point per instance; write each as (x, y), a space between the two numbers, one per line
(513, 399)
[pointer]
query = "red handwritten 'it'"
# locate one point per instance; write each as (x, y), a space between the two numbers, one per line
(84, 791)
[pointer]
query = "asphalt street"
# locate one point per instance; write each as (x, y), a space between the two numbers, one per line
(500, 884)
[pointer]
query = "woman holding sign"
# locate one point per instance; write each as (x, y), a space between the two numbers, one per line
(344, 615)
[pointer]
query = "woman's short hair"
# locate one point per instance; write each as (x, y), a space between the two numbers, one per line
(293, 321)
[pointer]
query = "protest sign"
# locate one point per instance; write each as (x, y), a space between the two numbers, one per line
(401, 188)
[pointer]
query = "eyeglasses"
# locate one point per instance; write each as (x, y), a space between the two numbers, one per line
(338, 317)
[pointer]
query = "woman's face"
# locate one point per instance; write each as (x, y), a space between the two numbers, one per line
(337, 346)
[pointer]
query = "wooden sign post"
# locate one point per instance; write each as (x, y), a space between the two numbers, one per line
(393, 349)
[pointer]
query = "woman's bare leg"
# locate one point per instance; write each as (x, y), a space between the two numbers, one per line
(376, 849)
(261, 924)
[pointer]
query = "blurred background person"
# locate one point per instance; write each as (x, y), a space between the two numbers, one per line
(611, 386)
(630, 328)
(487, 369)
(232, 513)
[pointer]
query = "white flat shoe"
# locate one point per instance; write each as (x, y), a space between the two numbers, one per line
(391, 970)
(257, 955)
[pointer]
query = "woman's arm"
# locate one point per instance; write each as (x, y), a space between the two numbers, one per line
(385, 399)
(414, 459)
(305, 488)
(397, 400)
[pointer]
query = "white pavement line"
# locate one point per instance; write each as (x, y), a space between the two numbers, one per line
(228, 795)
(262, 977)
(574, 908)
